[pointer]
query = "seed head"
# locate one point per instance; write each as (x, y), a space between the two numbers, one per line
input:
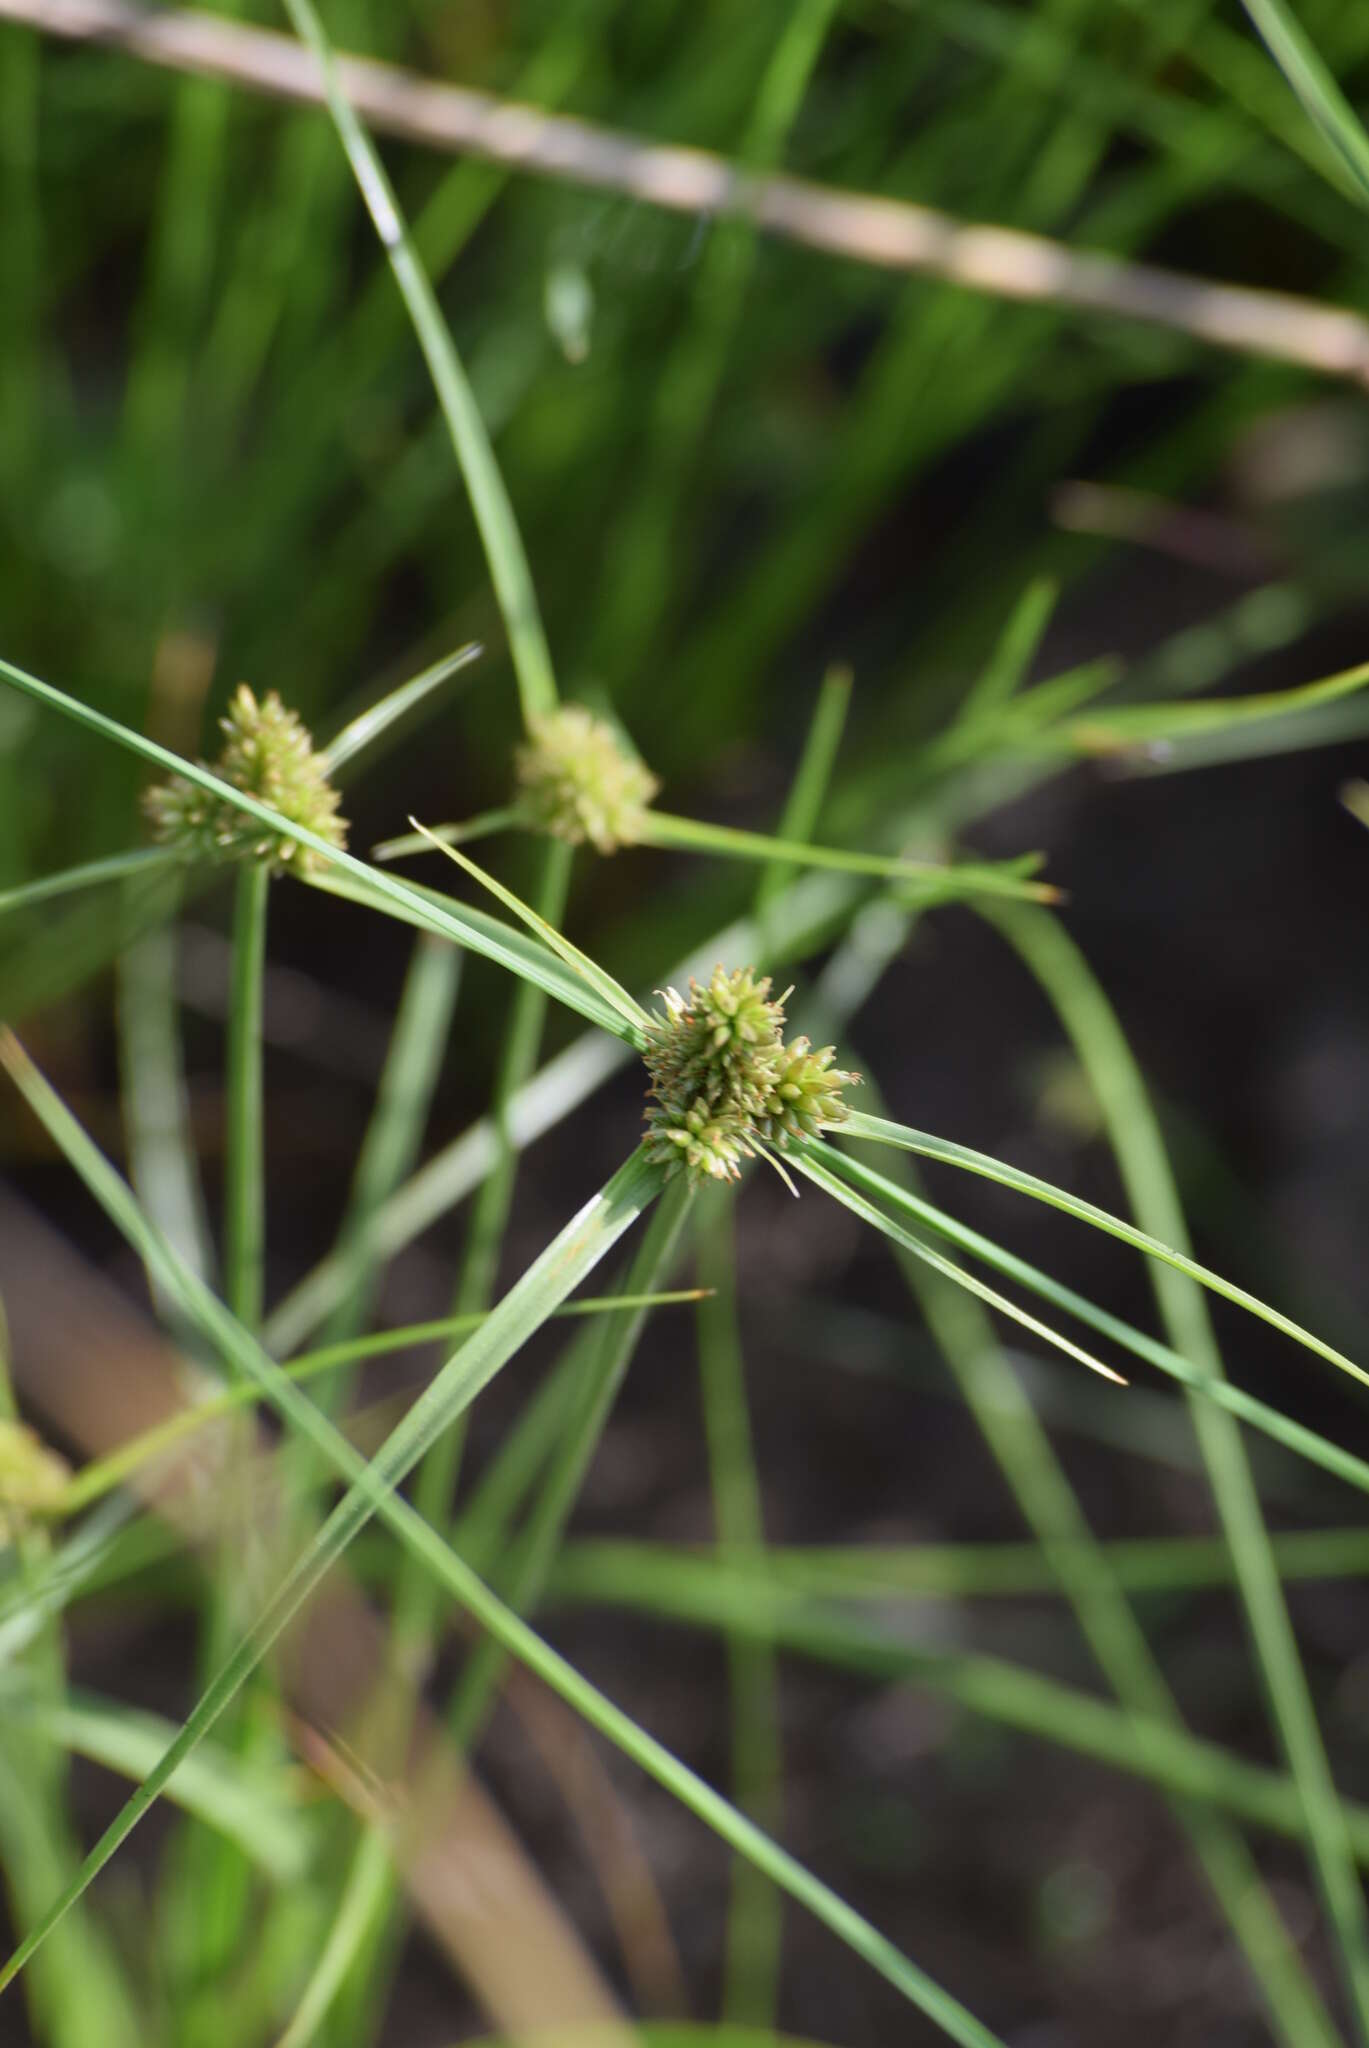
(578, 781)
(268, 754)
(31, 1476)
(724, 1081)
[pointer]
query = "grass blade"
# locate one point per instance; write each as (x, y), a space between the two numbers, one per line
(705, 1592)
(880, 1132)
(114, 868)
(1141, 725)
(489, 499)
(808, 1161)
(368, 725)
(755, 1924)
(250, 1808)
(1321, 97)
(244, 1175)
(803, 805)
(1293, 1436)
(579, 963)
(947, 881)
(1014, 653)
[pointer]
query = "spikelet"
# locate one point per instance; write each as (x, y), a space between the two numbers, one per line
(267, 754)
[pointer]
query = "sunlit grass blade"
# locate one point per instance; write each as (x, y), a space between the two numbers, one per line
(252, 1808)
(384, 890)
(365, 1893)
(1294, 1436)
(155, 1099)
(429, 910)
(808, 1161)
(102, 1475)
(580, 963)
(947, 881)
(879, 1131)
(399, 1115)
(1142, 725)
(372, 1491)
(1325, 103)
(368, 725)
(489, 499)
(483, 826)
(597, 1386)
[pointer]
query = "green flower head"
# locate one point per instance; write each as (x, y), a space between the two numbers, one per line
(578, 781)
(267, 754)
(31, 1476)
(724, 1082)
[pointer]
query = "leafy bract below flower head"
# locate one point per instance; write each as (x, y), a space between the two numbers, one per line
(725, 1082)
(268, 754)
(578, 781)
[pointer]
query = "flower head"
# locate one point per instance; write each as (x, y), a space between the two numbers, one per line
(267, 754)
(724, 1081)
(31, 1476)
(578, 781)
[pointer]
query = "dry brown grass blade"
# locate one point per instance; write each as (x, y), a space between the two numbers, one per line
(98, 1372)
(889, 233)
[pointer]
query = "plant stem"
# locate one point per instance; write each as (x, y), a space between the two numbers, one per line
(244, 1178)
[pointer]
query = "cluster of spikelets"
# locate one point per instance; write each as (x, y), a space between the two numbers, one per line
(726, 1085)
(267, 754)
(579, 782)
(32, 1477)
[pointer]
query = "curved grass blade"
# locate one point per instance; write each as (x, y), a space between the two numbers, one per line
(115, 867)
(368, 725)
(385, 891)
(494, 514)
(809, 1163)
(251, 1808)
(947, 880)
(881, 1132)
(483, 826)
(1294, 1436)
(1139, 725)
(1321, 97)
(102, 1475)
(580, 963)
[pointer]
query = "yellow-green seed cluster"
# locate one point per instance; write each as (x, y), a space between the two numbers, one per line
(579, 782)
(32, 1477)
(723, 1080)
(267, 754)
